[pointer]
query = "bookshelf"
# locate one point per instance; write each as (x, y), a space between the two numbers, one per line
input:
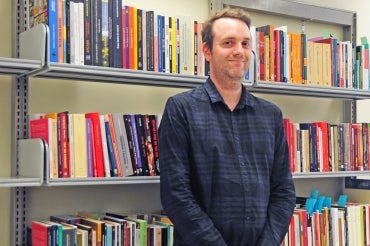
(32, 201)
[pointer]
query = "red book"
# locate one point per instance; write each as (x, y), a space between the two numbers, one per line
(322, 145)
(41, 233)
(98, 145)
(42, 128)
(288, 126)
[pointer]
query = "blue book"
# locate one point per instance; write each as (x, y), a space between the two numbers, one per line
(312, 144)
(160, 41)
(112, 158)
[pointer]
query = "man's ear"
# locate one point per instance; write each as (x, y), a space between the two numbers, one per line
(206, 51)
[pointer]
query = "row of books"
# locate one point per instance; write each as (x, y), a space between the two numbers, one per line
(109, 229)
(98, 145)
(284, 56)
(325, 147)
(317, 222)
(112, 34)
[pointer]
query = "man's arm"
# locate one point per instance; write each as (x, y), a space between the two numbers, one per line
(190, 221)
(282, 192)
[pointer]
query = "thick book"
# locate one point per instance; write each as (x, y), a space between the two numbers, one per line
(46, 12)
(98, 148)
(123, 145)
(42, 233)
(117, 38)
(79, 150)
(113, 138)
(111, 151)
(63, 145)
(45, 129)
(131, 140)
(141, 141)
(97, 226)
(53, 146)
(105, 33)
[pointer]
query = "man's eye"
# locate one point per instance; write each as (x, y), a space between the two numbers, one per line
(246, 45)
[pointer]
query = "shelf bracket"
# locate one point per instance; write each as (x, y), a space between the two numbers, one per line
(39, 36)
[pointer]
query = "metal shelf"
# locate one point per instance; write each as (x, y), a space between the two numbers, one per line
(19, 182)
(13, 66)
(119, 75)
(102, 181)
(340, 174)
(309, 90)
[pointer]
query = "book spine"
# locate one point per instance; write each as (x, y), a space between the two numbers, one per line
(130, 138)
(55, 26)
(87, 33)
(117, 37)
(97, 32)
(105, 33)
(139, 165)
(112, 156)
(90, 147)
(98, 156)
(115, 145)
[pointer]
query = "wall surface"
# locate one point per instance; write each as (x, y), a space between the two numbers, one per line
(83, 97)
(5, 118)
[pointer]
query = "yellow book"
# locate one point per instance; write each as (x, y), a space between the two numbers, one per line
(79, 145)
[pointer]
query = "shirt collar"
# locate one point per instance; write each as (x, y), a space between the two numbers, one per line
(215, 96)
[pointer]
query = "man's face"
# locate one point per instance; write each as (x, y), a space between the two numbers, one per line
(229, 58)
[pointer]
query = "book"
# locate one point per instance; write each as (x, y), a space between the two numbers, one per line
(97, 226)
(112, 137)
(90, 148)
(63, 145)
(117, 35)
(79, 149)
(96, 32)
(140, 131)
(111, 151)
(46, 12)
(69, 234)
(131, 141)
(53, 146)
(123, 144)
(105, 33)
(98, 145)
(88, 39)
(57, 232)
(140, 230)
(42, 233)
(45, 129)
(65, 218)
(107, 163)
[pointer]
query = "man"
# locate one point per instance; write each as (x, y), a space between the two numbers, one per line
(225, 176)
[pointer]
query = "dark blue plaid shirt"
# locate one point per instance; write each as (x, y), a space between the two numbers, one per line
(225, 176)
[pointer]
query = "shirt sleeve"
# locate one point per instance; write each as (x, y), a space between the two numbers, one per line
(282, 191)
(191, 223)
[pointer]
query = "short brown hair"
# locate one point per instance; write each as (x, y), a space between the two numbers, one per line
(227, 12)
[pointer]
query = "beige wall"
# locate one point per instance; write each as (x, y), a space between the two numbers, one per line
(81, 97)
(5, 108)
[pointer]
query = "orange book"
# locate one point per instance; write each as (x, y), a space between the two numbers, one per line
(109, 118)
(296, 58)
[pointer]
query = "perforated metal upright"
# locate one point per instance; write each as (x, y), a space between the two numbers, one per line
(19, 128)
